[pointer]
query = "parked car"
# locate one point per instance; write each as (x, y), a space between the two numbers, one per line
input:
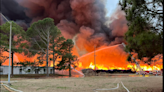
(144, 72)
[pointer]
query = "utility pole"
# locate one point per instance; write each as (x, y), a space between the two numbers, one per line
(9, 71)
(95, 56)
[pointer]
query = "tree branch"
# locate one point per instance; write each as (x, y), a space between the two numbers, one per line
(39, 46)
(43, 32)
(40, 34)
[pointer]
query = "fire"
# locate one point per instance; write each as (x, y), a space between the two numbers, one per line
(146, 67)
(114, 57)
(129, 66)
(91, 66)
(107, 58)
(102, 67)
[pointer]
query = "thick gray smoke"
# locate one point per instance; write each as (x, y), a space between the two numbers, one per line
(83, 18)
(12, 10)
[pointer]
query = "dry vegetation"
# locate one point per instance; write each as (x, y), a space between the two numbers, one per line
(88, 84)
(2, 89)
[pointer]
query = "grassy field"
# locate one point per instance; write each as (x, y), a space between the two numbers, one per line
(88, 84)
(31, 75)
(2, 89)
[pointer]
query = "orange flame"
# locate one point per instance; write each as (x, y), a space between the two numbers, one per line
(110, 58)
(107, 58)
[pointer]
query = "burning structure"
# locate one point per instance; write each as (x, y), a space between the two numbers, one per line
(84, 21)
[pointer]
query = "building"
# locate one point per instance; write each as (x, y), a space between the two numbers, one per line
(25, 70)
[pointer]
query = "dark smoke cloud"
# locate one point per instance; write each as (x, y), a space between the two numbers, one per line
(39, 9)
(72, 28)
(88, 13)
(13, 11)
(118, 25)
(84, 19)
(22, 24)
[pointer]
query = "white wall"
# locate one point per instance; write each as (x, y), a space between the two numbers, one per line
(16, 70)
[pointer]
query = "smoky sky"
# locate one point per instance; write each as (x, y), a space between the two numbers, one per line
(13, 11)
(83, 20)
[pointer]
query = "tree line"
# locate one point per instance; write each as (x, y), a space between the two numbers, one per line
(43, 39)
(145, 29)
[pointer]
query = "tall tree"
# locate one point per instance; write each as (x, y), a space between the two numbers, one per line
(145, 32)
(39, 35)
(55, 45)
(68, 60)
(17, 37)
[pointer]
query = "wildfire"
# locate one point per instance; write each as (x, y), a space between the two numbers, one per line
(110, 58)
(102, 67)
(107, 58)
(129, 66)
(146, 67)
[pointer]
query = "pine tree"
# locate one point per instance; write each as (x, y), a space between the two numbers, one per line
(17, 37)
(39, 35)
(145, 32)
(68, 59)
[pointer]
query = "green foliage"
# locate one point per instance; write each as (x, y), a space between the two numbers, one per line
(17, 32)
(64, 64)
(39, 35)
(17, 37)
(46, 39)
(145, 34)
(67, 46)
(68, 60)
(55, 44)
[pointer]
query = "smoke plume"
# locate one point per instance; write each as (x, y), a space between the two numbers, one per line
(84, 19)
(14, 11)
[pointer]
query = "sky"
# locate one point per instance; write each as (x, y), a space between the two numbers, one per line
(111, 5)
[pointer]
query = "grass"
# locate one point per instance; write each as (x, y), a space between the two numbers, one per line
(63, 87)
(88, 84)
(32, 75)
(135, 81)
(2, 89)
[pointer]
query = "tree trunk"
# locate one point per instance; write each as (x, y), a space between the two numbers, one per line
(47, 63)
(12, 60)
(69, 68)
(53, 59)
(47, 52)
(53, 65)
(69, 65)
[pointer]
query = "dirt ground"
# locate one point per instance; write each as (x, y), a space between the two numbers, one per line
(2, 89)
(89, 84)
